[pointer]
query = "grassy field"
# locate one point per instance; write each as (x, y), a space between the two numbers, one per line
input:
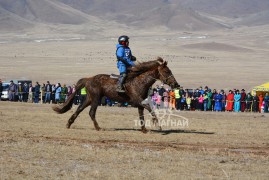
(35, 144)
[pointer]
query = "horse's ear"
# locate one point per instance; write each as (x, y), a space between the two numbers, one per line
(165, 63)
(160, 60)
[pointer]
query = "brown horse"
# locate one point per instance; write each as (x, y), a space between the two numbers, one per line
(140, 78)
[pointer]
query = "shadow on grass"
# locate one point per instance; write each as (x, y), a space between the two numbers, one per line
(166, 132)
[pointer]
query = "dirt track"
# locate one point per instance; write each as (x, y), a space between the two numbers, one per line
(36, 144)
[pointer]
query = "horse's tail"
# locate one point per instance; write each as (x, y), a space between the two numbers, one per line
(69, 102)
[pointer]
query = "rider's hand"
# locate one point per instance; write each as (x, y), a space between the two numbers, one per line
(133, 58)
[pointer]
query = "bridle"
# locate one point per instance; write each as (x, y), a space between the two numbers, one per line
(165, 79)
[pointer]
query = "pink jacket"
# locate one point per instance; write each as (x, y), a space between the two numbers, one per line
(154, 97)
(201, 99)
(159, 98)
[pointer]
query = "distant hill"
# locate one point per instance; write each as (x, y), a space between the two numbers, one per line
(45, 11)
(12, 22)
(227, 8)
(146, 14)
(256, 19)
(159, 15)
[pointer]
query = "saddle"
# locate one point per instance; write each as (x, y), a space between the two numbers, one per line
(114, 76)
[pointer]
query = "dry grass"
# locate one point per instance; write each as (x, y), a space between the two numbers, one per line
(34, 143)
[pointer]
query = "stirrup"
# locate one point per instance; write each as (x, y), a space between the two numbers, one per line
(121, 90)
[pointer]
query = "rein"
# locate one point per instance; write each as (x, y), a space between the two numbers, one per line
(161, 75)
(165, 79)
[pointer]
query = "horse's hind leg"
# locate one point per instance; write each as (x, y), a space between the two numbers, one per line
(80, 108)
(92, 115)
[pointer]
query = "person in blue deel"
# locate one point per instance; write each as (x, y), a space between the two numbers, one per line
(125, 60)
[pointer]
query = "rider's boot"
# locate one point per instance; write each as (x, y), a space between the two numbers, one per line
(120, 83)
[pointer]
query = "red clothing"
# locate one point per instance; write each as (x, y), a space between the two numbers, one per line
(260, 103)
(243, 102)
(230, 102)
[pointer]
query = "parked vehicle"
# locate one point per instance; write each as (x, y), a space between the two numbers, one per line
(6, 87)
(5, 91)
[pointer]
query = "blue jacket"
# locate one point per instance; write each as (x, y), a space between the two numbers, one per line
(266, 99)
(37, 90)
(58, 92)
(237, 97)
(218, 98)
(201, 91)
(125, 54)
(25, 88)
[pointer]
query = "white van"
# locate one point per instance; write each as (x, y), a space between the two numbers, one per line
(5, 91)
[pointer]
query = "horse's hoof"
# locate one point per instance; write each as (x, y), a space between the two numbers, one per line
(160, 128)
(145, 131)
(68, 126)
(98, 129)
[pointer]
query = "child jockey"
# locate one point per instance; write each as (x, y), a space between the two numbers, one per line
(125, 60)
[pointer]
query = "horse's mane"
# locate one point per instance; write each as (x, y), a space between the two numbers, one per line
(142, 67)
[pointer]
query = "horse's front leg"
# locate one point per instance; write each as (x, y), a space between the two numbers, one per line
(154, 117)
(142, 119)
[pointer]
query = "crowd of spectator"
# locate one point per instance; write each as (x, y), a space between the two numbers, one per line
(50, 93)
(204, 99)
(46, 93)
(200, 99)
